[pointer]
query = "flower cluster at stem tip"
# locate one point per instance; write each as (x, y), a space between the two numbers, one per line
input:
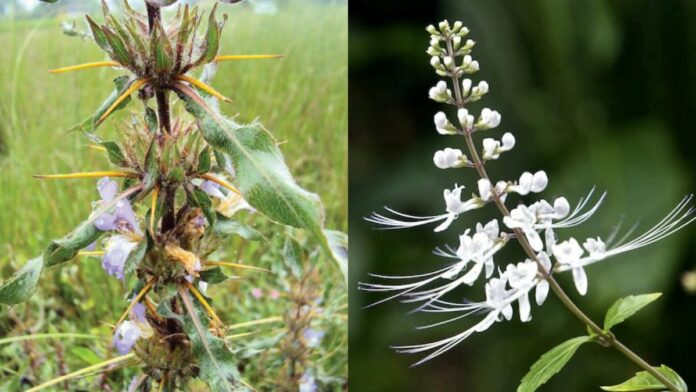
(508, 283)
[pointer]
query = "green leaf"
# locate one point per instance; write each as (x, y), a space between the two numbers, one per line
(64, 249)
(22, 284)
(159, 45)
(151, 167)
(261, 173)
(118, 47)
(136, 256)
(225, 226)
(212, 39)
(203, 201)
(627, 307)
(151, 119)
(217, 364)
(550, 363)
(115, 154)
(98, 34)
(204, 161)
(122, 84)
(213, 275)
(338, 242)
(644, 381)
(293, 256)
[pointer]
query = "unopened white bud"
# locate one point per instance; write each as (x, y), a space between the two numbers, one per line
(456, 41)
(539, 181)
(457, 26)
(466, 60)
(508, 141)
(482, 88)
(443, 126)
(484, 187)
(472, 67)
(465, 119)
(488, 119)
(432, 30)
(439, 92)
(561, 208)
(466, 87)
(444, 26)
(449, 62)
(435, 62)
(464, 31)
(434, 41)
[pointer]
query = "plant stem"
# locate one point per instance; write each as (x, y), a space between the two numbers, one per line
(605, 337)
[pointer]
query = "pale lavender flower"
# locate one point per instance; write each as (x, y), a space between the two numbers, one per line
(123, 217)
(117, 249)
(308, 383)
(312, 337)
(256, 293)
(125, 336)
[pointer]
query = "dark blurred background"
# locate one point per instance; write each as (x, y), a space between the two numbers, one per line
(598, 93)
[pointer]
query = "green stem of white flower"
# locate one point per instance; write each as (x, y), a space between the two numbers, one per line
(604, 337)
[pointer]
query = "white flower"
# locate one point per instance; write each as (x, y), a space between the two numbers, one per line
(595, 247)
(475, 248)
(497, 296)
(521, 278)
(523, 218)
(480, 90)
(439, 93)
(449, 158)
(569, 253)
(488, 119)
(465, 119)
(493, 148)
(466, 87)
(529, 182)
(442, 124)
(542, 288)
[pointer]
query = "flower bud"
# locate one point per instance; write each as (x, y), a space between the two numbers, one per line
(449, 62)
(465, 119)
(466, 87)
(488, 119)
(432, 30)
(561, 208)
(434, 41)
(484, 187)
(456, 42)
(490, 148)
(508, 141)
(439, 92)
(457, 26)
(443, 126)
(539, 181)
(444, 26)
(435, 62)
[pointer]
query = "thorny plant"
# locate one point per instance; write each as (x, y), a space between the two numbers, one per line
(533, 226)
(183, 181)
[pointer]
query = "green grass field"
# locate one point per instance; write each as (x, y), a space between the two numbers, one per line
(301, 99)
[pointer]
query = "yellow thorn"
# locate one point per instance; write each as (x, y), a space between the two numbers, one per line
(96, 147)
(247, 385)
(153, 209)
(203, 87)
(135, 300)
(232, 57)
(163, 381)
(255, 322)
(220, 182)
(90, 253)
(133, 88)
(80, 67)
(241, 335)
(85, 175)
(236, 265)
(80, 372)
(205, 303)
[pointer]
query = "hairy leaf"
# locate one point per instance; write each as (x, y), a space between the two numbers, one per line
(64, 249)
(98, 35)
(212, 39)
(22, 284)
(204, 161)
(644, 381)
(261, 173)
(136, 256)
(338, 242)
(550, 363)
(218, 367)
(115, 154)
(213, 275)
(626, 307)
(203, 201)
(225, 226)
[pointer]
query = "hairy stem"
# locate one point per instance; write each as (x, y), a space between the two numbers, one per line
(605, 337)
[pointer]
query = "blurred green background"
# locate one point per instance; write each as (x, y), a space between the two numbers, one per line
(598, 93)
(301, 99)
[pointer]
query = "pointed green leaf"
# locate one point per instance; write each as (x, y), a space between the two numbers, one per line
(86, 354)
(644, 381)
(98, 35)
(64, 249)
(22, 284)
(212, 39)
(338, 242)
(217, 364)
(261, 173)
(204, 202)
(150, 167)
(119, 51)
(225, 226)
(550, 363)
(213, 275)
(151, 119)
(136, 255)
(627, 307)
(204, 161)
(159, 47)
(115, 154)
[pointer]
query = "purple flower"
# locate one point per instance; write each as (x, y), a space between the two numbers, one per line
(116, 253)
(212, 189)
(138, 313)
(123, 217)
(198, 222)
(312, 337)
(125, 336)
(256, 293)
(308, 383)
